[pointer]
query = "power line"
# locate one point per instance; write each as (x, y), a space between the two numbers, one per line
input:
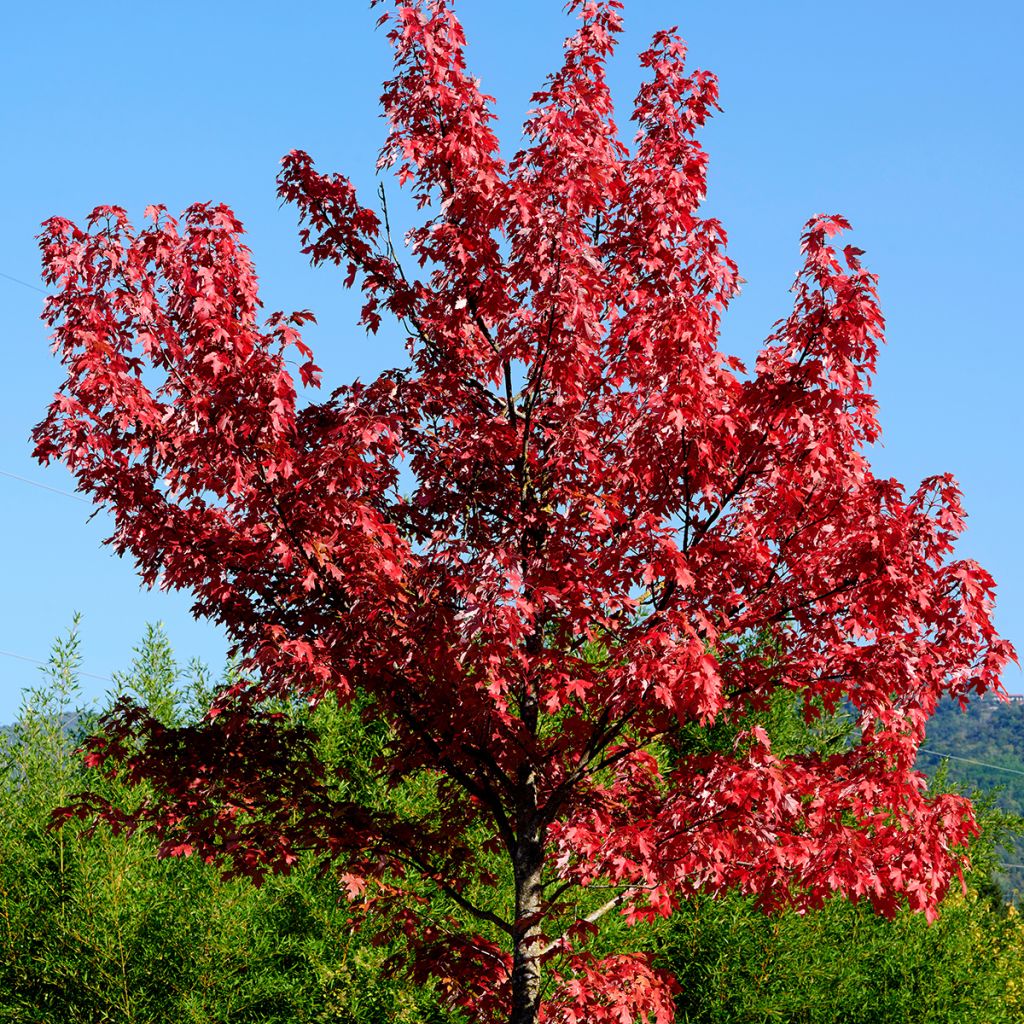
(968, 760)
(36, 661)
(45, 487)
(25, 284)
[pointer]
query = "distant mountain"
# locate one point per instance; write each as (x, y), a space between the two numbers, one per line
(74, 723)
(983, 747)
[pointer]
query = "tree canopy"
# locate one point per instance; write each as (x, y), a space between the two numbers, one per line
(568, 532)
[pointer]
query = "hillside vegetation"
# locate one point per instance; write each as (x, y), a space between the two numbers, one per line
(982, 749)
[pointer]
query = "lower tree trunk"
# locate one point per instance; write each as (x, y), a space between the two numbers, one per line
(526, 942)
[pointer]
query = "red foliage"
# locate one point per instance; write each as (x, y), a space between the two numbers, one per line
(588, 474)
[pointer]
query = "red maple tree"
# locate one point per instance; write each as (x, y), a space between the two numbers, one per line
(567, 529)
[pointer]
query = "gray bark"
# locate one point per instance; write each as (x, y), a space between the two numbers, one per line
(526, 941)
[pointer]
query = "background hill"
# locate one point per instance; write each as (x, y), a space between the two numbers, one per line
(983, 748)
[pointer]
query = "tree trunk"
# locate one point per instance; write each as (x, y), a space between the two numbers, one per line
(527, 865)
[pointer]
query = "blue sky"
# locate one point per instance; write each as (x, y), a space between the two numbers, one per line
(904, 117)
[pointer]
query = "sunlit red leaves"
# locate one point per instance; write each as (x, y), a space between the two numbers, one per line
(612, 990)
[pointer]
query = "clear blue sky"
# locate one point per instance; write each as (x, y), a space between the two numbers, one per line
(906, 117)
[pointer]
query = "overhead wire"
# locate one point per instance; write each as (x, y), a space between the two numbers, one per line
(42, 486)
(37, 661)
(970, 760)
(24, 284)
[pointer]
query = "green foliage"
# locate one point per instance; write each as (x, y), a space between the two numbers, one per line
(843, 963)
(100, 930)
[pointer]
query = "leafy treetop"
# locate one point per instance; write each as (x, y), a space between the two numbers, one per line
(567, 529)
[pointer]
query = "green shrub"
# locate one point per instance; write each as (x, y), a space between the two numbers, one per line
(100, 930)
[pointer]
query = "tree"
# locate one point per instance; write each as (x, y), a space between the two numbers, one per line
(569, 532)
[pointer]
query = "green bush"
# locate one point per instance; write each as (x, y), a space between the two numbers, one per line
(845, 964)
(99, 930)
